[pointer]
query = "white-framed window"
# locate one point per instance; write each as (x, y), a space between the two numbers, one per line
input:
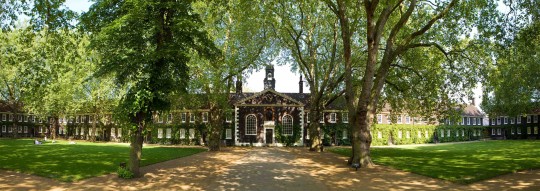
(83, 130)
(379, 118)
(34, 119)
(474, 133)
(228, 117)
(442, 133)
(479, 121)
(388, 119)
(333, 117)
(182, 133)
(463, 133)
(205, 117)
(228, 133)
(399, 119)
(528, 118)
(40, 129)
(61, 130)
(25, 118)
(169, 118)
(345, 117)
(251, 125)
(400, 134)
(19, 117)
(191, 133)
(183, 117)
(512, 130)
(493, 121)
(113, 132)
(119, 132)
(379, 135)
(512, 120)
(505, 120)
(40, 120)
(518, 120)
(344, 134)
(91, 119)
(535, 130)
(19, 129)
(535, 118)
(499, 120)
(160, 133)
(408, 119)
(528, 130)
(287, 125)
(321, 119)
(457, 133)
(518, 130)
(160, 118)
(307, 117)
(25, 129)
(426, 134)
(493, 131)
(408, 134)
(498, 131)
(169, 132)
(474, 121)
(10, 117)
(419, 134)
(468, 120)
(192, 117)
(61, 120)
(447, 121)
(448, 132)
(4, 118)
(77, 119)
(76, 131)
(4, 129)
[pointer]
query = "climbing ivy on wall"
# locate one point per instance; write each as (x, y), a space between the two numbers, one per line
(398, 134)
(288, 140)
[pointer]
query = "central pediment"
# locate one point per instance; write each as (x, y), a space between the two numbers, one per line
(269, 97)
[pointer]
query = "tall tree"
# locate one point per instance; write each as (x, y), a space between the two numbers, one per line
(392, 28)
(512, 86)
(240, 31)
(309, 34)
(146, 45)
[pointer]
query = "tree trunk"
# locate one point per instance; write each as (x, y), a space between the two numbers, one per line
(93, 131)
(136, 145)
(54, 126)
(216, 127)
(315, 130)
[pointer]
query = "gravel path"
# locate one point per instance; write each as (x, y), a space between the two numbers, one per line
(266, 169)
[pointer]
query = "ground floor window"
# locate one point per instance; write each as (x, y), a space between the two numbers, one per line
(379, 134)
(287, 125)
(119, 132)
(528, 130)
(191, 133)
(113, 132)
(251, 125)
(182, 133)
(512, 130)
(25, 129)
(160, 133)
(228, 133)
(499, 131)
(535, 130)
(169, 130)
(442, 133)
(518, 131)
(4, 128)
(344, 134)
(492, 131)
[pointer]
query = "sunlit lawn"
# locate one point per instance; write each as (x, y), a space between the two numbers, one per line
(462, 163)
(71, 162)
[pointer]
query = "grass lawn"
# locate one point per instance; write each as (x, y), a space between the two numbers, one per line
(67, 162)
(461, 163)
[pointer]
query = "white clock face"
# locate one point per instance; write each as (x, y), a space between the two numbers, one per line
(269, 76)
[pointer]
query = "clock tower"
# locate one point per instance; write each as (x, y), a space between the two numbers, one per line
(269, 80)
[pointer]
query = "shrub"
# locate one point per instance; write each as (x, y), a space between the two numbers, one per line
(124, 173)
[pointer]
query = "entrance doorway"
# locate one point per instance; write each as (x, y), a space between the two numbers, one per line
(269, 136)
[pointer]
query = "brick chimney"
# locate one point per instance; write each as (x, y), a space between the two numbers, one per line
(301, 85)
(239, 86)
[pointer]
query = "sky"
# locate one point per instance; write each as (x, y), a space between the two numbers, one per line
(286, 81)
